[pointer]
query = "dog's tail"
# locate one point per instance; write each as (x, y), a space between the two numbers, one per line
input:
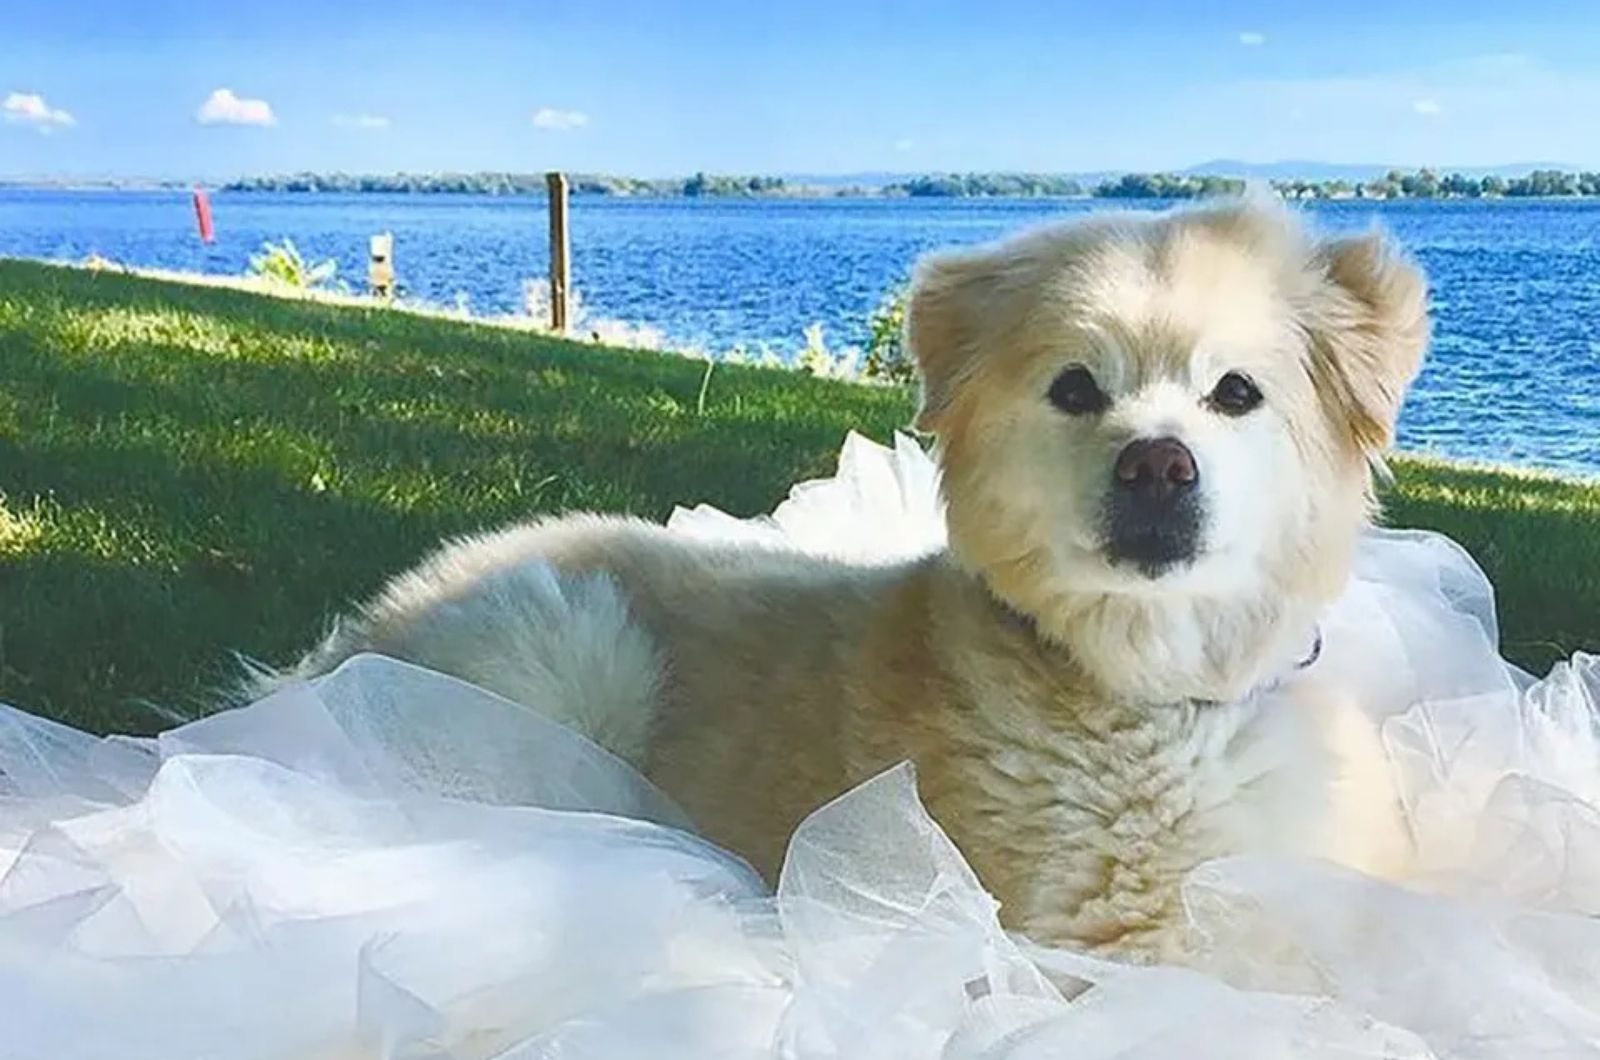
(563, 645)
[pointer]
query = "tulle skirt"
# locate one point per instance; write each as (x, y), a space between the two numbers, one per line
(388, 862)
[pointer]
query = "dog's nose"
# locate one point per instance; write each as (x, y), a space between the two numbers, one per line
(1156, 469)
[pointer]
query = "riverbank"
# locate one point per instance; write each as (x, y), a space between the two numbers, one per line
(585, 327)
(810, 352)
(191, 470)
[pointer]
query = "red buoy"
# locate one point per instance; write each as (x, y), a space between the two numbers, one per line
(202, 215)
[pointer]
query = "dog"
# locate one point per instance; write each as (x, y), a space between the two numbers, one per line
(1157, 436)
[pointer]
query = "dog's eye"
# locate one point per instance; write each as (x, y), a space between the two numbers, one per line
(1076, 392)
(1235, 395)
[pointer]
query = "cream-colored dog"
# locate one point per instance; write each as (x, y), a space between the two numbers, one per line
(1156, 434)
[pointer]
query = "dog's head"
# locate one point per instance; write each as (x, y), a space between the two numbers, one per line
(1166, 417)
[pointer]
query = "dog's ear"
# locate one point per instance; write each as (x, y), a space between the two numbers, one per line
(1368, 336)
(949, 292)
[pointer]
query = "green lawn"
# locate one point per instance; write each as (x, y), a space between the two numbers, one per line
(185, 472)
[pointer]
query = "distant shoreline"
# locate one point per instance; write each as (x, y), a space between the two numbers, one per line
(1418, 184)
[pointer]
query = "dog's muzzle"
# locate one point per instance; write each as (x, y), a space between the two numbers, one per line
(1154, 515)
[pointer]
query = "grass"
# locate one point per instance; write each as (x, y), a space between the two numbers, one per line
(189, 471)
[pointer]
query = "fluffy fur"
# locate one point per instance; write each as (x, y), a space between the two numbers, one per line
(1084, 730)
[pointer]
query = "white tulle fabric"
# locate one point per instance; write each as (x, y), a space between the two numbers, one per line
(391, 863)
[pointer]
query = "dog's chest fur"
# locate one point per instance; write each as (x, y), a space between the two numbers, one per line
(1087, 831)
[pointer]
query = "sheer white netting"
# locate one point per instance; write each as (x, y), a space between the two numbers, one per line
(392, 863)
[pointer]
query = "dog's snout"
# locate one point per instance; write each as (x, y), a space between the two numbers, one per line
(1156, 469)
(1155, 511)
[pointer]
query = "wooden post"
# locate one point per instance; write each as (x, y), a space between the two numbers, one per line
(380, 266)
(560, 248)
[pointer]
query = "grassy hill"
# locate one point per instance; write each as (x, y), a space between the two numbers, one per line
(186, 472)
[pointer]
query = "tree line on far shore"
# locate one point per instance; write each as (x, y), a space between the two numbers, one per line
(1420, 184)
(699, 185)
(1428, 184)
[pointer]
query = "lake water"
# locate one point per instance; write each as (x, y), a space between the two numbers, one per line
(1514, 375)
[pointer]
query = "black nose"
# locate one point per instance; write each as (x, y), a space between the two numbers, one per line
(1156, 470)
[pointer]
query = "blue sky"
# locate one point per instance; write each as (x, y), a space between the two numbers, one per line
(158, 88)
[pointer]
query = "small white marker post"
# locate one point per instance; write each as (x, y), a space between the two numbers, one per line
(380, 266)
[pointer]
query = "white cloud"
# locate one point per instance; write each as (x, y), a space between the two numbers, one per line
(1427, 107)
(361, 121)
(222, 107)
(559, 120)
(1252, 39)
(26, 108)
(904, 144)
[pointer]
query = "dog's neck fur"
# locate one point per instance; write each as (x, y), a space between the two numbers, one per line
(1194, 648)
(1149, 649)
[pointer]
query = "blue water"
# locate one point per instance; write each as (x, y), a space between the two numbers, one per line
(1514, 375)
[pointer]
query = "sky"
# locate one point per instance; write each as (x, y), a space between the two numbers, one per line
(152, 88)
